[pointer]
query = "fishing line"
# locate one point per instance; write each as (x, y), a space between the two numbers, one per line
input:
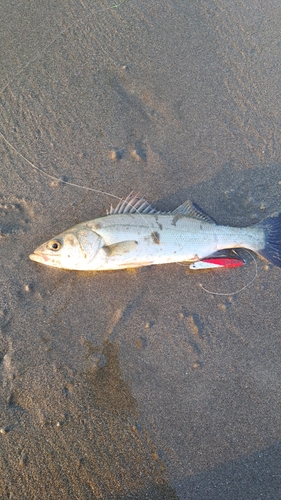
(240, 290)
(73, 184)
(116, 6)
(98, 191)
(57, 178)
(35, 167)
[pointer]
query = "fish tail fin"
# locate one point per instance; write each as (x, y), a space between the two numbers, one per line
(272, 232)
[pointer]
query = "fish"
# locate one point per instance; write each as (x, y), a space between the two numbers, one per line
(135, 234)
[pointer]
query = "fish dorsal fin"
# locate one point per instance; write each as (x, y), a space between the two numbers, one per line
(133, 204)
(190, 209)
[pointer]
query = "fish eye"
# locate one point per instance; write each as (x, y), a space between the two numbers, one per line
(55, 245)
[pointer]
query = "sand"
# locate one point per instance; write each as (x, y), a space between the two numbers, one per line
(138, 385)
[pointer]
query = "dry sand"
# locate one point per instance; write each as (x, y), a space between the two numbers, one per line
(123, 385)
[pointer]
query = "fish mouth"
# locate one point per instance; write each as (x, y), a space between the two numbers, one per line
(38, 257)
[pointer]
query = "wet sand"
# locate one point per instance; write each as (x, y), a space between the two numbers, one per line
(141, 384)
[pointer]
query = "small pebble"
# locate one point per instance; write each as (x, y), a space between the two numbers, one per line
(115, 155)
(195, 366)
(136, 155)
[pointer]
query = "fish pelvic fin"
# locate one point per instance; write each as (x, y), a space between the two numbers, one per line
(272, 232)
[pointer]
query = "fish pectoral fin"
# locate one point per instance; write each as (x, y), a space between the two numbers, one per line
(120, 248)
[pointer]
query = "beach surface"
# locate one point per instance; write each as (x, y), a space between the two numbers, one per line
(159, 383)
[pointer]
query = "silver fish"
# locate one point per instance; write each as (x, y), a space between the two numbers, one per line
(135, 234)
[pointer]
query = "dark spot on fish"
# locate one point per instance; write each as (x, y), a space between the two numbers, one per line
(176, 218)
(97, 225)
(158, 223)
(71, 240)
(155, 237)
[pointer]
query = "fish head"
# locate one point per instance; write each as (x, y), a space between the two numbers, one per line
(72, 249)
